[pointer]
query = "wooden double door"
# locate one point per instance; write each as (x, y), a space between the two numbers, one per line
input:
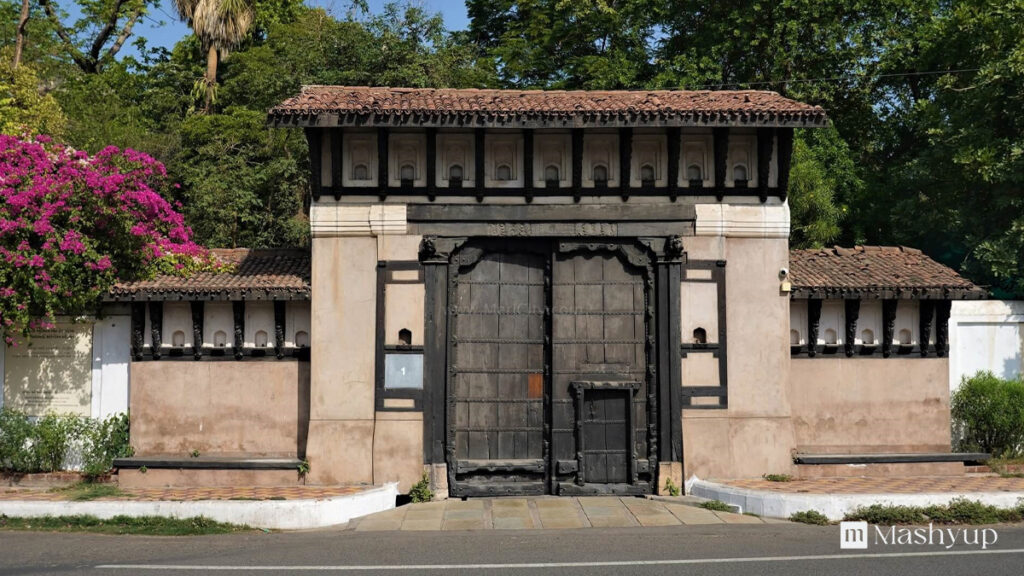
(548, 369)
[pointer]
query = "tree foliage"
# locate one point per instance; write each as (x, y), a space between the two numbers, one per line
(23, 108)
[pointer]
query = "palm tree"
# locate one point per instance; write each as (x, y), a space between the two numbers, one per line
(220, 25)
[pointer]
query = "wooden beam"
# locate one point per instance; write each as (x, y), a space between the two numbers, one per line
(888, 325)
(238, 312)
(852, 309)
(156, 328)
(577, 163)
(784, 157)
(674, 135)
(528, 165)
(382, 163)
(315, 153)
(479, 136)
(279, 323)
(927, 308)
(197, 328)
(765, 143)
(721, 146)
(942, 311)
(625, 160)
(336, 174)
(813, 322)
(138, 329)
(431, 164)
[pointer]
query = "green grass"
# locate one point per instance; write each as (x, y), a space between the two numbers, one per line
(145, 525)
(84, 491)
(716, 505)
(810, 517)
(777, 477)
(959, 511)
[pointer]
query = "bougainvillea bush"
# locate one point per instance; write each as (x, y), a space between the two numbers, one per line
(71, 225)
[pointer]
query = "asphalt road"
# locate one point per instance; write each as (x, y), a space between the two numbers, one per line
(781, 549)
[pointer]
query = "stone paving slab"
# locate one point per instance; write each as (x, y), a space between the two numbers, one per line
(549, 513)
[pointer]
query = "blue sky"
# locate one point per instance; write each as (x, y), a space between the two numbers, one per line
(162, 27)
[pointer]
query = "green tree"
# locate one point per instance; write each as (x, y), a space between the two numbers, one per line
(592, 44)
(95, 38)
(220, 25)
(24, 109)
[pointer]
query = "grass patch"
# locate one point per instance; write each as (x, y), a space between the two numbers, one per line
(777, 477)
(145, 525)
(958, 511)
(716, 505)
(810, 517)
(84, 491)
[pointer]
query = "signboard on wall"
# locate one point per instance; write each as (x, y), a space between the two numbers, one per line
(50, 372)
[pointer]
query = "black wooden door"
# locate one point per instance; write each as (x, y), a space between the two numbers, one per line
(601, 345)
(496, 406)
(548, 361)
(605, 436)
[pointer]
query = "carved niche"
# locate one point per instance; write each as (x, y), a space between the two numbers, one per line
(455, 165)
(360, 159)
(408, 158)
(600, 160)
(551, 159)
(648, 165)
(696, 161)
(503, 159)
(741, 164)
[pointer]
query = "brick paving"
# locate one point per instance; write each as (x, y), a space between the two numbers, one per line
(549, 513)
(911, 485)
(192, 494)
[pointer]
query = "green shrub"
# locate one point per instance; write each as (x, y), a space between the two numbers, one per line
(988, 415)
(888, 515)
(107, 440)
(420, 491)
(810, 517)
(15, 432)
(44, 445)
(958, 511)
(716, 505)
(777, 477)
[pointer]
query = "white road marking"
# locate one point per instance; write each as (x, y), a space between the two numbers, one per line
(679, 562)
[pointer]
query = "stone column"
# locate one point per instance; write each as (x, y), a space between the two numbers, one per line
(342, 337)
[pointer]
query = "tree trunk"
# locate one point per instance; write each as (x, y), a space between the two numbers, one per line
(211, 76)
(19, 42)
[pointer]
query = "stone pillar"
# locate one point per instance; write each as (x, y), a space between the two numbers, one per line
(342, 337)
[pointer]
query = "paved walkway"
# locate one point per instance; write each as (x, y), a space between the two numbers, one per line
(545, 513)
(911, 485)
(188, 494)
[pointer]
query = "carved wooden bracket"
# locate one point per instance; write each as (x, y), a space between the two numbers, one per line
(852, 314)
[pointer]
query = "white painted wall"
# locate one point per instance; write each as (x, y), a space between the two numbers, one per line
(986, 335)
(111, 354)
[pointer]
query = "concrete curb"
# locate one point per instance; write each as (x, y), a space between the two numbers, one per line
(834, 506)
(270, 514)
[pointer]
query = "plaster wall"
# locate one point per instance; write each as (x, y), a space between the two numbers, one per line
(866, 405)
(754, 435)
(223, 408)
(986, 335)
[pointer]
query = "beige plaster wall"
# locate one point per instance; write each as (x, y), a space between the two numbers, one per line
(223, 408)
(343, 330)
(398, 448)
(754, 435)
(871, 404)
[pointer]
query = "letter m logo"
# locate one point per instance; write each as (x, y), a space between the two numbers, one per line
(853, 535)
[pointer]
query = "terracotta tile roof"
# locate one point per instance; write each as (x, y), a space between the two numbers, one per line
(428, 106)
(875, 272)
(258, 274)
